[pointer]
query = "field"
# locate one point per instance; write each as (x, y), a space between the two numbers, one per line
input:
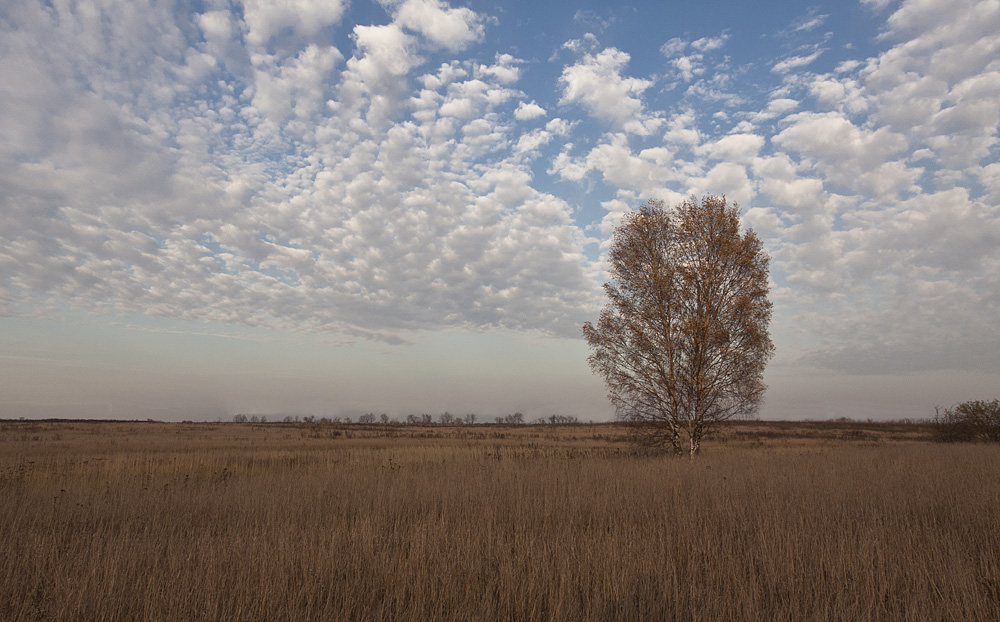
(775, 521)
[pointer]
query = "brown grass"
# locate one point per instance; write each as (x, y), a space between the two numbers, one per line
(147, 521)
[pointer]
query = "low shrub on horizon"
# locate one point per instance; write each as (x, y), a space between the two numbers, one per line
(973, 421)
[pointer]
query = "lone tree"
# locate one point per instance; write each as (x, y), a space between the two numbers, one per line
(683, 340)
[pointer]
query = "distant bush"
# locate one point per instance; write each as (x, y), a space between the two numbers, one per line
(975, 421)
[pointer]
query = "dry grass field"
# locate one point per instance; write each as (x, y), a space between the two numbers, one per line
(775, 521)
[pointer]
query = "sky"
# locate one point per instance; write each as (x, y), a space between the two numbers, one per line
(332, 207)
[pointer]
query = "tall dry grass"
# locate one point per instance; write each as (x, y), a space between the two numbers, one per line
(225, 522)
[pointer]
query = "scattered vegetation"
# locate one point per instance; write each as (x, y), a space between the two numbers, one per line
(974, 421)
(776, 521)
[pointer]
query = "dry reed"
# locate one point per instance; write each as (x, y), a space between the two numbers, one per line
(151, 521)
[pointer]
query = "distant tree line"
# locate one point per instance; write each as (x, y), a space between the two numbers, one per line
(250, 419)
(444, 418)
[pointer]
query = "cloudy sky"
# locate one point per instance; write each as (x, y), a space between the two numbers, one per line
(333, 207)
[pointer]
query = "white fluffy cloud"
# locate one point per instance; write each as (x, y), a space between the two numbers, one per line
(777, 108)
(266, 20)
(527, 112)
(299, 86)
(735, 148)
(848, 155)
(385, 53)
(596, 82)
(447, 27)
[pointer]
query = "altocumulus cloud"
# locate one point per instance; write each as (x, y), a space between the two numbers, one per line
(234, 166)
(874, 183)
(276, 165)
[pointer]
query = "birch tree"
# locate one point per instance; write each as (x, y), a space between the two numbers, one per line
(683, 340)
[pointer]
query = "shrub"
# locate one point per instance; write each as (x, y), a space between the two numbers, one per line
(974, 421)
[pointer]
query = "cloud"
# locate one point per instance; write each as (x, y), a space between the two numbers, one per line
(938, 85)
(298, 87)
(449, 28)
(688, 67)
(505, 70)
(794, 62)
(307, 194)
(878, 5)
(528, 143)
(845, 95)
(691, 65)
(777, 108)
(258, 168)
(593, 20)
(989, 177)
(527, 112)
(596, 83)
(375, 78)
(874, 186)
(811, 21)
(708, 44)
(267, 20)
(674, 46)
(725, 178)
(737, 148)
(785, 184)
(587, 43)
(223, 39)
(386, 52)
(682, 129)
(919, 257)
(843, 152)
(560, 127)
(906, 255)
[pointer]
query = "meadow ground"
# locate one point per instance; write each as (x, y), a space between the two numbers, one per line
(775, 521)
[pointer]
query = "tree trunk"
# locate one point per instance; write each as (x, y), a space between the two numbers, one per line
(675, 442)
